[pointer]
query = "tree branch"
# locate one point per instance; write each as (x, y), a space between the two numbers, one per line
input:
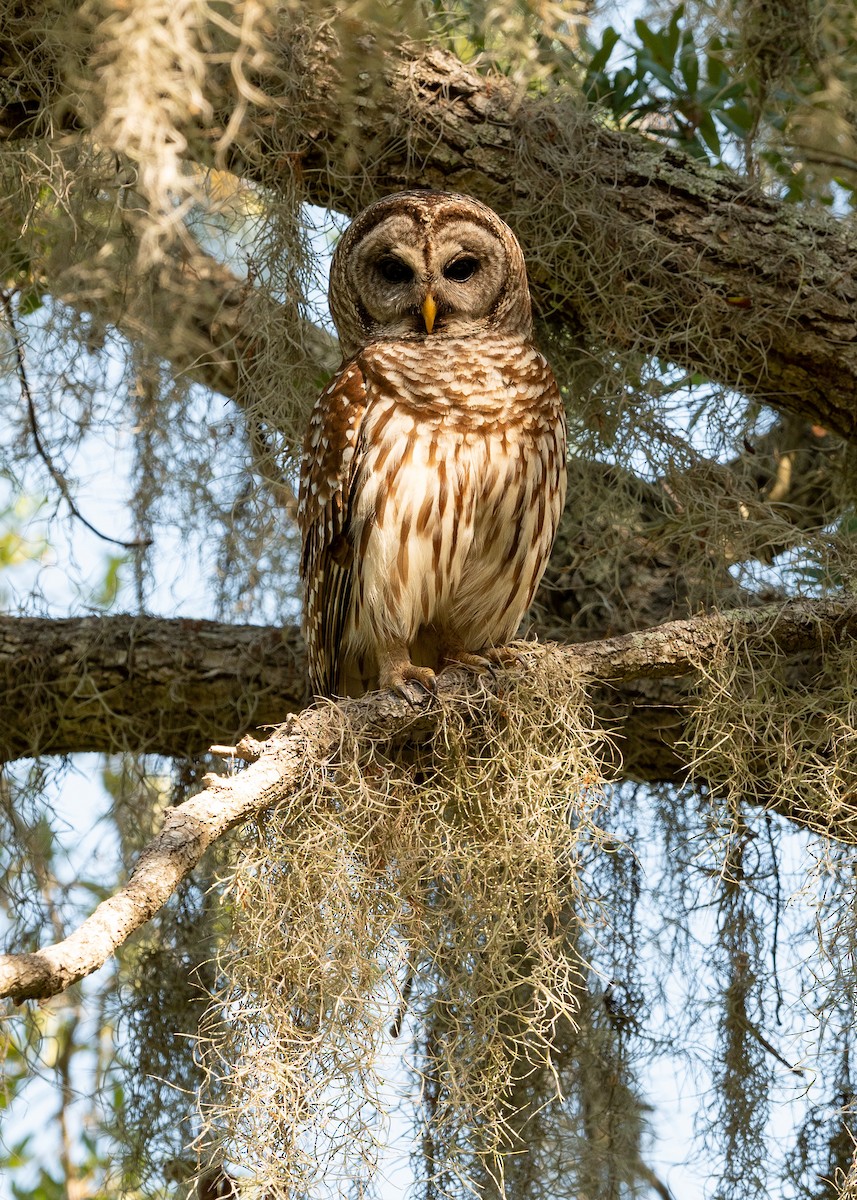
(758, 294)
(189, 830)
(193, 312)
(717, 276)
(160, 686)
(677, 648)
(141, 683)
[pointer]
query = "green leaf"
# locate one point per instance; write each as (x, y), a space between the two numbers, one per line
(17, 1157)
(662, 44)
(112, 582)
(732, 92)
(708, 132)
(655, 42)
(715, 68)
(621, 82)
(688, 64)
(651, 67)
(694, 147)
(601, 56)
(737, 119)
(626, 96)
(672, 33)
(31, 301)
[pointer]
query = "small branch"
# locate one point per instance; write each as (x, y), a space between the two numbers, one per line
(771, 1049)
(675, 648)
(55, 474)
(248, 750)
(188, 831)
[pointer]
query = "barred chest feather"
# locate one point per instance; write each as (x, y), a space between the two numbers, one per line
(458, 488)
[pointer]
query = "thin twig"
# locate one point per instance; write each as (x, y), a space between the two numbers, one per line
(41, 450)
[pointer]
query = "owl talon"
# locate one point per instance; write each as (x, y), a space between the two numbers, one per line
(506, 656)
(415, 693)
(481, 664)
(417, 685)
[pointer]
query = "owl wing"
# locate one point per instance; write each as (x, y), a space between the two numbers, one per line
(330, 460)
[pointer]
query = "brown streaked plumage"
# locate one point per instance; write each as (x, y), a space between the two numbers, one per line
(433, 474)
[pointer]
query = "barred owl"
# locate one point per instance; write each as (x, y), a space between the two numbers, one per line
(433, 473)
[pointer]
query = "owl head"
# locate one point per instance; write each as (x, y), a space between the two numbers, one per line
(424, 265)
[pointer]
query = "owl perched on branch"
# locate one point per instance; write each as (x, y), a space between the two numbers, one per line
(434, 472)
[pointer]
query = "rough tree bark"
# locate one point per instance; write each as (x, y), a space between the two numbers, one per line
(141, 684)
(172, 687)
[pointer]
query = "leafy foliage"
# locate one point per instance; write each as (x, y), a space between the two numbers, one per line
(674, 89)
(701, 89)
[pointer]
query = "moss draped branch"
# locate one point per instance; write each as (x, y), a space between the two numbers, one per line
(161, 686)
(674, 649)
(758, 294)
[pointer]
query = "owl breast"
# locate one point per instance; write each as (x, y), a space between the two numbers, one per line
(455, 501)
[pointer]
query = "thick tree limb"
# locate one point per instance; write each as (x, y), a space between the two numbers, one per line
(679, 647)
(141, 683)
(159, 686)
(760, 295)
(675, 649)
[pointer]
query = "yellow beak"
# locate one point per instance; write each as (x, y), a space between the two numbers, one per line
(429, 311)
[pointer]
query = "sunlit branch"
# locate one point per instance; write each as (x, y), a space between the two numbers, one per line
(676, 648)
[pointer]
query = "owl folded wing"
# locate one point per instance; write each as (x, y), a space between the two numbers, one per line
(331, 455)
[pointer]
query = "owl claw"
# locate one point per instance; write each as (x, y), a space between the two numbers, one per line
(479, 663)
(415, 693)
(506, 656)
(416, 685)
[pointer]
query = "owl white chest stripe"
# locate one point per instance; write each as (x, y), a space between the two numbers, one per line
(447, 511)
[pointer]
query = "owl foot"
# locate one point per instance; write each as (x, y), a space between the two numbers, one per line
(417, 685)
(505, 656)
(480, 663)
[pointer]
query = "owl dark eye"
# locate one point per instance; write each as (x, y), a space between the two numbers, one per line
(461, 268)
(394, 270)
